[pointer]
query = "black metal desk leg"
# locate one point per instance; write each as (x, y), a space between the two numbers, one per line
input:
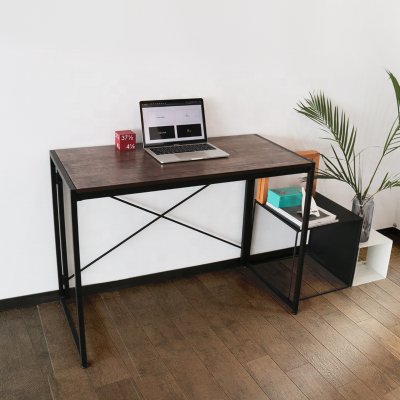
(247, 229)
(303, 240)
(54, 178)
(61, 214)
(78, 281)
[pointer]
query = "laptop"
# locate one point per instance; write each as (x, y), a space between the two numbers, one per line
(175, 131)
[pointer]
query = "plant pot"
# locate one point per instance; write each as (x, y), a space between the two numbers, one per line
(364, 209)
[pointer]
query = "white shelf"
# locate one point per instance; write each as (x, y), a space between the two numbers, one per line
(375, 238)
(378, 255)
(365, 274)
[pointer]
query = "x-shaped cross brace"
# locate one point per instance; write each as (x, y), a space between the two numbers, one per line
(159, 216)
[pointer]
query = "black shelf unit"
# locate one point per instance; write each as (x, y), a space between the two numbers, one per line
(333, 246)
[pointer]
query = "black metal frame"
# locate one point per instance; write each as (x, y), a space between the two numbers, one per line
(301, 253)
(59, 176)
(293, 304)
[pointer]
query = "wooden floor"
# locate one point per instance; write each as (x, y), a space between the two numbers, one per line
(213, 336)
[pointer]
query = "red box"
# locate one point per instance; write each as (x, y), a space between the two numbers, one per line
(125, 140)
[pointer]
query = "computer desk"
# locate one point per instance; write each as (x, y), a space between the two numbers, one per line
(103, 171)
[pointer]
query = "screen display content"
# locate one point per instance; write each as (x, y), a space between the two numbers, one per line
(161, 132)
(169, 121)
(185, 131)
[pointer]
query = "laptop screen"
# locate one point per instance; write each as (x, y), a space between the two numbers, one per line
(172, 121)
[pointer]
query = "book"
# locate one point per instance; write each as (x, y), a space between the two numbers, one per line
(285, 197)
(293, 214)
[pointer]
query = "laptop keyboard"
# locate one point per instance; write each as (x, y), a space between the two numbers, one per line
(182, 149)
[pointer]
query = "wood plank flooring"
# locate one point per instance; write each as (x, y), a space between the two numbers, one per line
(214, 336)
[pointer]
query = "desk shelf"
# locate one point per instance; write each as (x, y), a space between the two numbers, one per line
(376, 265)
(332, 253)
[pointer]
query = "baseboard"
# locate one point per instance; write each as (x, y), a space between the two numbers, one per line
(47, 297)
(29, 300)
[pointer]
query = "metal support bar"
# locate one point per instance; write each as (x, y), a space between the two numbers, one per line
(260, 276)
(78, 281)
(175, 221)
(322, 293)
(141, 229)
(294, 257)
(303, 239)
(54, 179)
(64, 260)
(70, 323)
(247, 229)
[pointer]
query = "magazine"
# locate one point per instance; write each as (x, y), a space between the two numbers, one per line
(293, 214)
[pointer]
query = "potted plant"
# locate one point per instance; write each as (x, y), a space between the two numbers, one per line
(344, 166)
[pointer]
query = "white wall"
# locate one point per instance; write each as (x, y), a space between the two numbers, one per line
(71, 73)
(397, 221)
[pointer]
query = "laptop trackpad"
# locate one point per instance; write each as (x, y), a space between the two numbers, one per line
(196, 155)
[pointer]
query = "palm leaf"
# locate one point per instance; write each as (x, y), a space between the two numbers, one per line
(333, 170)
(388, 184)
(396, 87)
(334, 122)
(393, 140)
(319, 109)
(392, 143)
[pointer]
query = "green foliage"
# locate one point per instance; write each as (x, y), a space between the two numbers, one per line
(345, 167)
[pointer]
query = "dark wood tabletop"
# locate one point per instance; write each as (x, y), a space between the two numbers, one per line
(100, 168)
